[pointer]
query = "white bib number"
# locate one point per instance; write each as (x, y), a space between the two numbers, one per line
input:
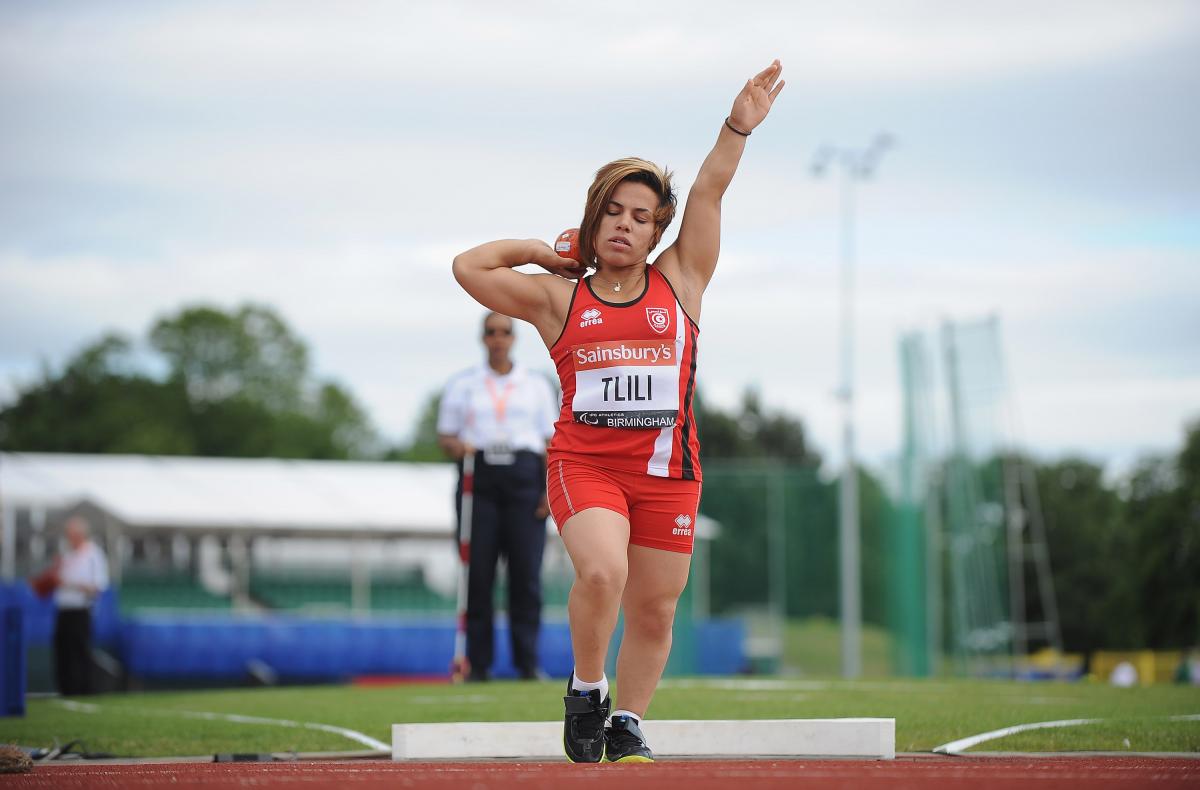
(626, 384)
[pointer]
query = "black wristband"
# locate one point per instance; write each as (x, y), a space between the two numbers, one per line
(734, 129)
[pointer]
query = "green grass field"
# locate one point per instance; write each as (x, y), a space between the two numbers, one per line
(812, 648)
(927, 713)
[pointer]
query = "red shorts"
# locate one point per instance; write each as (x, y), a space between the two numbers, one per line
(661, 510)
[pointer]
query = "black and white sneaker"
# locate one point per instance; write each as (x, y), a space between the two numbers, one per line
(583, 728)
(626, 743)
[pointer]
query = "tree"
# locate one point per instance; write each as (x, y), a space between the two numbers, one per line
(752, 433)
(424, 446)
(347, 425)
(1089, 550)
(249, 353)
(98, 404)
(1126, 559)
(1162, 515)
(238, 385)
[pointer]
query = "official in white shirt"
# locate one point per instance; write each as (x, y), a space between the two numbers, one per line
(82, 577)
(504, 415)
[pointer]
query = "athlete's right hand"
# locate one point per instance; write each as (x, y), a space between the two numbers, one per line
(544, 255)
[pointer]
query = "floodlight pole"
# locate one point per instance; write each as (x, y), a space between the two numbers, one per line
(855, 164)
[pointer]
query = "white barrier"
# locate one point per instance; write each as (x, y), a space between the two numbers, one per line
(873, 739)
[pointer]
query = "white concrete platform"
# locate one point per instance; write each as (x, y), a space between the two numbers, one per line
(871, 739)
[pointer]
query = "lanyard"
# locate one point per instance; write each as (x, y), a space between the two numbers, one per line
(499, 401)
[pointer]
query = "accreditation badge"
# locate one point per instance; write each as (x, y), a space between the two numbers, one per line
(499, 452)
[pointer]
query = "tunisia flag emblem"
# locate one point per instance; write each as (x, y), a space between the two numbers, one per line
(659, 318)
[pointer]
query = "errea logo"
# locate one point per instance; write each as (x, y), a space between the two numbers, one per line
(590, 317)
(683, 525)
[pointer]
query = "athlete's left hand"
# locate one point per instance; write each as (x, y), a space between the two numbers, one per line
(754, 102)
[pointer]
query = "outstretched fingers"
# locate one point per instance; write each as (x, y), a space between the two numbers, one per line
(755, 99)
(765, 81)
(765, 77)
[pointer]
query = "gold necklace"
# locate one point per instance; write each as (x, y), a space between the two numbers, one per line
(616, 284)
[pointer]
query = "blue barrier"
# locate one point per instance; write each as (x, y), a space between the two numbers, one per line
(298, 648)
(219, 646)
(720, 647)
(39, 614)
(37, 630)
(12, 662)
(308, 649)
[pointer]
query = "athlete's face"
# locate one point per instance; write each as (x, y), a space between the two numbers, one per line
(626, 231)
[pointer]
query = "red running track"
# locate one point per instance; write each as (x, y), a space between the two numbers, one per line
(920, 773)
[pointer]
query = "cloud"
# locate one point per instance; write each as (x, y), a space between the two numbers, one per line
(452, 45)
(387, 321)
(330, 160)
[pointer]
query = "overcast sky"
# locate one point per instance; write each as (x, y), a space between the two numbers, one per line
(329, 159)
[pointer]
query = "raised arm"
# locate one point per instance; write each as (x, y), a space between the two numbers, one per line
(486, 273)
(692, 259)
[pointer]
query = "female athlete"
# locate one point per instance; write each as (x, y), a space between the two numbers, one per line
(623, 471)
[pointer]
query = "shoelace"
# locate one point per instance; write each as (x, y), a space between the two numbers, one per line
(624, 738)
(590, 726)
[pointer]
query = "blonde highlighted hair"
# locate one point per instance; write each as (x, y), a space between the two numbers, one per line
(608, 178)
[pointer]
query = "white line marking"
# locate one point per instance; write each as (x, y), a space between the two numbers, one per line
(354, 735)
(778, 684)
(746, 684)
(469, 699)
(954, 747)
(78, 707)
(966, 743)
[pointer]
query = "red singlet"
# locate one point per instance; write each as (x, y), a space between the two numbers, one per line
(628, 375)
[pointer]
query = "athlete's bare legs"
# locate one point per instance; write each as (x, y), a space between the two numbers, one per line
(655, 581)
(597, 541)
(610, 575)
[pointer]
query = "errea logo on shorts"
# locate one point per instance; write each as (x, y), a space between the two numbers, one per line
(683, 525)
(590, 316)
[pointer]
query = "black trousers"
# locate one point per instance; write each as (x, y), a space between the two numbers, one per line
(73, 651)
(503, 524)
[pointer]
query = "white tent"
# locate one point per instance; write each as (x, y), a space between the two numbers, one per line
(260, 495)
(246, 500)
(242, 500)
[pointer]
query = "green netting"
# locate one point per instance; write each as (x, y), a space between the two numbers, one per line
(948, 590)
(142, 589)
(407, 595)
(974, 497)
(388, 592)
(301, 591)
(906, 610)
(776, 556)
(778, 526)
(908, 580)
